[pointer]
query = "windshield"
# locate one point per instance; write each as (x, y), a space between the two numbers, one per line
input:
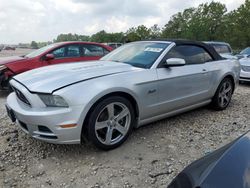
(40, 51)
(138, 54)
(245, 51)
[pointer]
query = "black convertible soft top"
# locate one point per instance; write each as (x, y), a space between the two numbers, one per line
(207, 47)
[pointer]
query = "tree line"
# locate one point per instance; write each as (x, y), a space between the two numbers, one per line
(208, 21)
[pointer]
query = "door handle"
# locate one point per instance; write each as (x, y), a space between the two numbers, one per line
(204, 71)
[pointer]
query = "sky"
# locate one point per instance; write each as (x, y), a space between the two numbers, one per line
(22, 21)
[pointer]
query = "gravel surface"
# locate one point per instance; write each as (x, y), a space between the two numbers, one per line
(151, 157)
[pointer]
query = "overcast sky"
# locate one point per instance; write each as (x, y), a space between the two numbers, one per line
(43, 20)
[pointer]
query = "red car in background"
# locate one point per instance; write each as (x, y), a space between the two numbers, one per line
(56, 53)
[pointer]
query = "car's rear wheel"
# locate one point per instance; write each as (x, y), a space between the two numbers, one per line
(111, 122)
(223, 95)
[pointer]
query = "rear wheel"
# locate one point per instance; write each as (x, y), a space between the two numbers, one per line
(223, 94)
(110, 122)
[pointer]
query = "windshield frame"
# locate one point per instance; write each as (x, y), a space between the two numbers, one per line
(153, 64)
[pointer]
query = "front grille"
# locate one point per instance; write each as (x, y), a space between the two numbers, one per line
(44, 129)
(245, 68)
(21, 96)
(48, 137)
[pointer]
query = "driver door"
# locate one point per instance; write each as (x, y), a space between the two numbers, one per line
(186, 85)
(66, 54)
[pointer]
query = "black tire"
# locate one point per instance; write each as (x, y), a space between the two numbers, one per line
(219, 101)
(5, 85)
(101, 110)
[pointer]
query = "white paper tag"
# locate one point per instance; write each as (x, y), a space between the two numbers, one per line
(149, 49)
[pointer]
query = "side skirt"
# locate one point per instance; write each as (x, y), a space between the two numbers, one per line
(172, 113)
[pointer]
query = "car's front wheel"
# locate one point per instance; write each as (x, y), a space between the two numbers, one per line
(110, 122)
(223, 94)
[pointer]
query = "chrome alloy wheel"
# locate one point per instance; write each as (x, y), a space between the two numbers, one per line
(112, 123)
(225, 93)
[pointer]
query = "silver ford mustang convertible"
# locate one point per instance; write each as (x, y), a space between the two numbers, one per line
(136, 84)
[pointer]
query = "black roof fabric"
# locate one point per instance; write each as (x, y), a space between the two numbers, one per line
(207, 47)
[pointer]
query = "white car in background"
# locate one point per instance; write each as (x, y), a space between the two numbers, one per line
(225, 50)
(245, 70)
(244, 59)
(244, 53)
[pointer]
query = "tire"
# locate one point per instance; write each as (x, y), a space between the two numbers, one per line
(223, 95)
(5, 85)
(110, 122)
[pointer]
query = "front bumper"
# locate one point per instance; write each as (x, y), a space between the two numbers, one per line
(31, 119)
(244, 76)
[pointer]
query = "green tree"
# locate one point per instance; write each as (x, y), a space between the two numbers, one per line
(71, 37)
(237, 30)
(101, 36)
(131, 35)
(34, 45)
(104, 37)
(138, 33)
(155, 31)
(201, 23)
(179, 25)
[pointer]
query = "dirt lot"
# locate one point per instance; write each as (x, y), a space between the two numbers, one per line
(163, 147)
(17, 52)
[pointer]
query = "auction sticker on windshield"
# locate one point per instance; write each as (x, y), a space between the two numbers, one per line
(150, 49)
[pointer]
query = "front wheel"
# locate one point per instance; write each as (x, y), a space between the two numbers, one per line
(110, 122)
(223, 95)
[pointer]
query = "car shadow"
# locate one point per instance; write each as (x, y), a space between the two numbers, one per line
(245, 84)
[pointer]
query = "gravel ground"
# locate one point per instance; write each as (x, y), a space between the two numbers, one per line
(151, 157)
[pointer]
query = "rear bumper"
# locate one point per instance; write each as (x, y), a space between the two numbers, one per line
(30, 120)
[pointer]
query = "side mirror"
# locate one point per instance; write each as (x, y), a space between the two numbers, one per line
(49, 57)
(174, 62)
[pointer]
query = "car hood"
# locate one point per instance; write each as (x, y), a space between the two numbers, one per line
(5, 60)
(50, 78)
(228, 166)
(245, 61)
(228, 56)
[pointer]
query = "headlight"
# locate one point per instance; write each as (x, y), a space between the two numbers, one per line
(53, 100)
(2, 67)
